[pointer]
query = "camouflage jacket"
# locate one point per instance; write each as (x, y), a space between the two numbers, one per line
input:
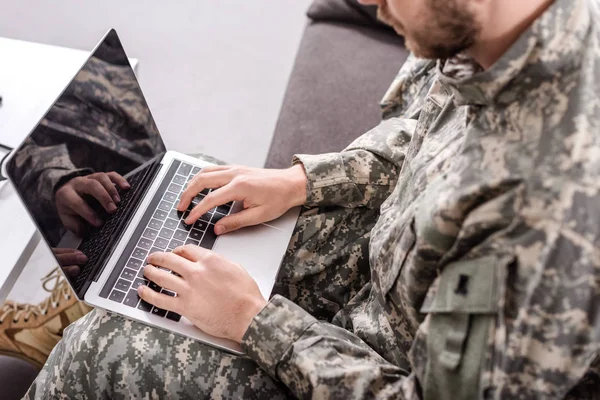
(486, 257)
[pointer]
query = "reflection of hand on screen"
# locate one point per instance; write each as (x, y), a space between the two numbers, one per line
(75, 212)
(69, 260)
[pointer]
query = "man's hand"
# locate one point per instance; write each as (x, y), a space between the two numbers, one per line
(73, 209)
(216, 295)
(266, 194)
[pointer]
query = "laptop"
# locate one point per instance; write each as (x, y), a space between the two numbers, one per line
(100, 127)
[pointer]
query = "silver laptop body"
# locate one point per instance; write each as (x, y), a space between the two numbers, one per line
(102, 123)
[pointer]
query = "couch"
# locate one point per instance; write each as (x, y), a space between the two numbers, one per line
(345, 63)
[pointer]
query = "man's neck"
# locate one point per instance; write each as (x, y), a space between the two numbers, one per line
(506, 21)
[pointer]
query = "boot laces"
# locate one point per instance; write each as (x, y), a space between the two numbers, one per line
(59, 290)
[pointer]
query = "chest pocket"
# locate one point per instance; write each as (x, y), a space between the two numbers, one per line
(462, 310)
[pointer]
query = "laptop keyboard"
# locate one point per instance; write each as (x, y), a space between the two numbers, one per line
(164, 232)
(95, 242)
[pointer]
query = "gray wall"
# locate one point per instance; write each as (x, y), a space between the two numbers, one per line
(214, 72)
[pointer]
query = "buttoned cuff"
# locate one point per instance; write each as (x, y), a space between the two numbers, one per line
(327, 183)
(274, 331)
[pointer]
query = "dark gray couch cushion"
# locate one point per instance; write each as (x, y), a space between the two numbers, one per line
(15, 377)
(341, 73)
(346, 11)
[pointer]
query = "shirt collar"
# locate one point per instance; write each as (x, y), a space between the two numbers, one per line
(558, 32)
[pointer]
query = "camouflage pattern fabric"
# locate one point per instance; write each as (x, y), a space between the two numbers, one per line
(484, 262)
(105, 355)
(102, 109)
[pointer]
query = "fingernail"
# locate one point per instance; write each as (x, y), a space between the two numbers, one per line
(140, 289)
(112, 207)
(219, 229)
(116, 198)
(126, 185)
(97, 223)
(81, 258)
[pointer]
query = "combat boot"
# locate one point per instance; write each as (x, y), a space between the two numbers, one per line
(29, 331)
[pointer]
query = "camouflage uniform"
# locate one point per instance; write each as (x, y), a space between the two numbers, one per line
(484, 265)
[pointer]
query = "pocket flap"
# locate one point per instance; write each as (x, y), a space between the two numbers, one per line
(469, 286)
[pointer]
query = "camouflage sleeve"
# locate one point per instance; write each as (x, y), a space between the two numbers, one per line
(365, 173)
(315, 359)
(43, 167)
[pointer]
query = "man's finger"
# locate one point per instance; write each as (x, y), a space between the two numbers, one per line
(159, 300)
(108, 185)
(81, 208)
(170, 261)
(247, 217)
(202, 181)
(95, 189)
(192, 253)
(164, 279)
(213, 199)
(118, 180)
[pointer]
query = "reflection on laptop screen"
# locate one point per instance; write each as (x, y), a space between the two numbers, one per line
(78, 171)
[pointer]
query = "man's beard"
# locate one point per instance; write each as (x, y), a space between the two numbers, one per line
(449, 29)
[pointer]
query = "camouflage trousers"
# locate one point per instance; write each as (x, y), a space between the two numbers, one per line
(105, 355)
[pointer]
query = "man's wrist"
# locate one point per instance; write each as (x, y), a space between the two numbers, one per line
(251, 311)
(298, 180)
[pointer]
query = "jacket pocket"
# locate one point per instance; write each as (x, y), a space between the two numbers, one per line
(462, 310)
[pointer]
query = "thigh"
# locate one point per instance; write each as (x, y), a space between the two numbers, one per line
(105, 355)
(327, 261)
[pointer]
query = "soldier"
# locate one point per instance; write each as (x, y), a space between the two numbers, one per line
(450, 252)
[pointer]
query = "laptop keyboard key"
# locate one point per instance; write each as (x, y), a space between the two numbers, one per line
(223, 209)
(175, 243)
(184, 226)
(217, 217)
(175, 188)
(161, 243)
(165, 205)
(128, 274)
(196, 170)
(155, 224)
(171, 223)
(180, 235)
(195, 234)
(155, 250)
(134, 264)
(145, 306)
(178, 179)
(117, 296)
(158, 311)
(184, 169)
(145, 243)
(150, 233)
(123, 285)
(205, 191)
(140, 254)
(208, 241)
(132, 298)
(166, 233)
(175, 214)
(160, 215)
(173, 316)
(192, 241)
(139, 282)
(201, 225)
(154, 287)
(170, 197)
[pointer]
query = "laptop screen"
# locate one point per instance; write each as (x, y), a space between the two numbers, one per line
(74, 170)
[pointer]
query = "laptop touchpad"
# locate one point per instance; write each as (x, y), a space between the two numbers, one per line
(259, 249)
